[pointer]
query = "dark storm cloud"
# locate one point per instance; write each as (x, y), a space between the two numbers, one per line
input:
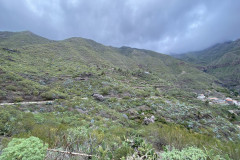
(162, 25)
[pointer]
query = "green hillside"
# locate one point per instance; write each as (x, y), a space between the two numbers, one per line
(221, 61)
(75, 56)
(132, 85)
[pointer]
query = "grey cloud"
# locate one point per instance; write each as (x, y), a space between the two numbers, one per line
(160, 25)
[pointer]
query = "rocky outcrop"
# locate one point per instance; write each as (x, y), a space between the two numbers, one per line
(10, 50)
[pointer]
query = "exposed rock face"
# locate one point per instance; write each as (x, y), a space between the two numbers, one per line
(98, 97)
(149, 120)
(10, 50)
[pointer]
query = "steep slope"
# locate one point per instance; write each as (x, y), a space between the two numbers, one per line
(74, 56)
(221, 60)
(211, 54)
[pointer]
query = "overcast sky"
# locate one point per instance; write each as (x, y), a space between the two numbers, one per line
(166, 26)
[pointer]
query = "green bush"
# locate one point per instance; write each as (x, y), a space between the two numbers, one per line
(105, 90)
(191, 153)
(52, 94)
(8, 120)
(142, 149)
(31, 148)
(11, 88)
(48, 95)
(123, 151)
(18, 99)
(2, 93)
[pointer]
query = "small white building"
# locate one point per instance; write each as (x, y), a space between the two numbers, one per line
(229, 101)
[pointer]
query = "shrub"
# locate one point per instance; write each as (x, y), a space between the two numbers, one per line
(143, 150)
(105, 90)
(31, 148)
(46, 132)
(8, 121)
(192, 153)
(52, 94)
(11, 88)
(2, 93)
(78, 138)
(48, 95)
(123, 151)
(35, 92)
(18, 99)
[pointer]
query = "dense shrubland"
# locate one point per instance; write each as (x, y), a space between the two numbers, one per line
(109, 135)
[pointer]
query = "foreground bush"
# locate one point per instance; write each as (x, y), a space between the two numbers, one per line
(187, 153)
(31, 148)
(143, 150)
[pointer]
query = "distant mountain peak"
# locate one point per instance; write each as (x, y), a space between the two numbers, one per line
(19, 39)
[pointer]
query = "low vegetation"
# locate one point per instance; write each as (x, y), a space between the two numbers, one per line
(100, 98)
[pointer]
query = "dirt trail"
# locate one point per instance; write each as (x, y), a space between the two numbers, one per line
(22, 103)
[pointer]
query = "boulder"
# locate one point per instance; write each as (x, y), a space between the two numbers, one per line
(149, 120)
(125, 116)
(132, 113)
(98, 97)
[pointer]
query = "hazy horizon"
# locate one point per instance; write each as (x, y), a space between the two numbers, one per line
(166, 27)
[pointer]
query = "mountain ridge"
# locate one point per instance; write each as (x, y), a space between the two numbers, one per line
(92, 54)
(221, 60)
